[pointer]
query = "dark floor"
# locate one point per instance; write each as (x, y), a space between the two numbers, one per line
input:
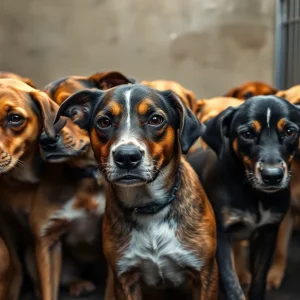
(290, 289)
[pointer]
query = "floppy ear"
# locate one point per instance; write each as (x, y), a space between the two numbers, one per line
(48, 108)
(217, 129)
(29, 82)
(233, 92)
(107, 80)
(190, 128)
(79, 107)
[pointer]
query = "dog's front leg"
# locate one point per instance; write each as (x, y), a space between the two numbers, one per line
(43, 263)
(262, 245)
(228, 277)
(207, 286)
(127, 286)
(56, 265)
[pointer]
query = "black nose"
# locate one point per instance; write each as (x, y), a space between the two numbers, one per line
(127, 157)
(48, 143)
(272, 176)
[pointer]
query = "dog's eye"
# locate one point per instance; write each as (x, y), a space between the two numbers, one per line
(247, 135)
(156, 120)
(290, 132)
(15, 119)
(104, 122)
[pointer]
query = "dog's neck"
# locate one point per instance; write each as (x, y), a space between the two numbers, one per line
(29, 168)
(157, 191)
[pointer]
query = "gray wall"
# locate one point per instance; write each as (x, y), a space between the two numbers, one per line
(207, 45)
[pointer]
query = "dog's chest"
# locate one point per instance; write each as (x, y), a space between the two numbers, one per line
(80, 217)
(250, 221)
(159, 256)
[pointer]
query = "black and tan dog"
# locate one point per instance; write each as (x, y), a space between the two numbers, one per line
(60, 89)
(247, 178)
(159, 228)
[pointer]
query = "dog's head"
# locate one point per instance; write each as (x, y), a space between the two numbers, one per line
(187, 96)
(16, 76)
(263, 133)
(135, 131)
(250, 89)
(70, 143)
(292, 94)
(24, 113)
(59, 90)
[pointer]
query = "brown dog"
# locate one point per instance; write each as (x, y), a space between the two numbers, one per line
(59, 90)
(292, 94)
(159, 228)
(16, 76)
(250, 89)
(186, 95)
(24, 113)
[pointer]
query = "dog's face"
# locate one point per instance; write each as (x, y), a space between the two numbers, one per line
(135, 131)
(59, 90)
(24, 112)
(250, 89)
(70, 143)
(263, 133)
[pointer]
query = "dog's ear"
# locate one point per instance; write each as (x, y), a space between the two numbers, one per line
(190, 128)
(274, 91)
(233, 92)
(79, 106)
(217, 129)
(107, 80)
(29, 82)
(48, 109)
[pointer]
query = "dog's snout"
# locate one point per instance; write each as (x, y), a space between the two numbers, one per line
(48, 143)
(272, 175)
(127, 156)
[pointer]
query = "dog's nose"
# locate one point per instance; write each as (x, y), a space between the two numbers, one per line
(272, 176)
(127, 156)
(48, 143)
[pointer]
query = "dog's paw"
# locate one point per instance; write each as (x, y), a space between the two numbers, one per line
(81, 287)
(275, 277)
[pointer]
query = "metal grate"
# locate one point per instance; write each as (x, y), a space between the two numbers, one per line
(287, 55)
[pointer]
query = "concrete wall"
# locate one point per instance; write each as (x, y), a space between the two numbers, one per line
(207, 45)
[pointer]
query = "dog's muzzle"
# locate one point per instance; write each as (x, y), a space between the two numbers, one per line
(127, 157)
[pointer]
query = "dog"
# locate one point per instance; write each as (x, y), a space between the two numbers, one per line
(292, 94)
(246, 176)
(187, 96)
(250, 89)
(25, 113)
(16, 76)
(158, 228)
(59, 90)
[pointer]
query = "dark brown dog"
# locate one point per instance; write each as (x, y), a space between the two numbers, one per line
(159, 229)
(59, 90)
(250, 89)
(187, 96)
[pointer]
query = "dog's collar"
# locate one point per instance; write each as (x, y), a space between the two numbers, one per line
(155, 207)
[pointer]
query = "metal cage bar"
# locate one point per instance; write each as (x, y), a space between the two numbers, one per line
(287, 43)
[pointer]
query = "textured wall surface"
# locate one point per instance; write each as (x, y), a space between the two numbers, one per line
(207, 45)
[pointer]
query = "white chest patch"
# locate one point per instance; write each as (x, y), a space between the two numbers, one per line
(158, 254)
(267, 217)
(83, 221)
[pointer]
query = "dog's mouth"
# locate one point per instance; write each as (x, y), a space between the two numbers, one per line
(58, 156)
(130, 180)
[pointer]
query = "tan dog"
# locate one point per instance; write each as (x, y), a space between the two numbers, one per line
(186, 95)
(292, 94)
(159, 228)
(250, 89)
(16, 76)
